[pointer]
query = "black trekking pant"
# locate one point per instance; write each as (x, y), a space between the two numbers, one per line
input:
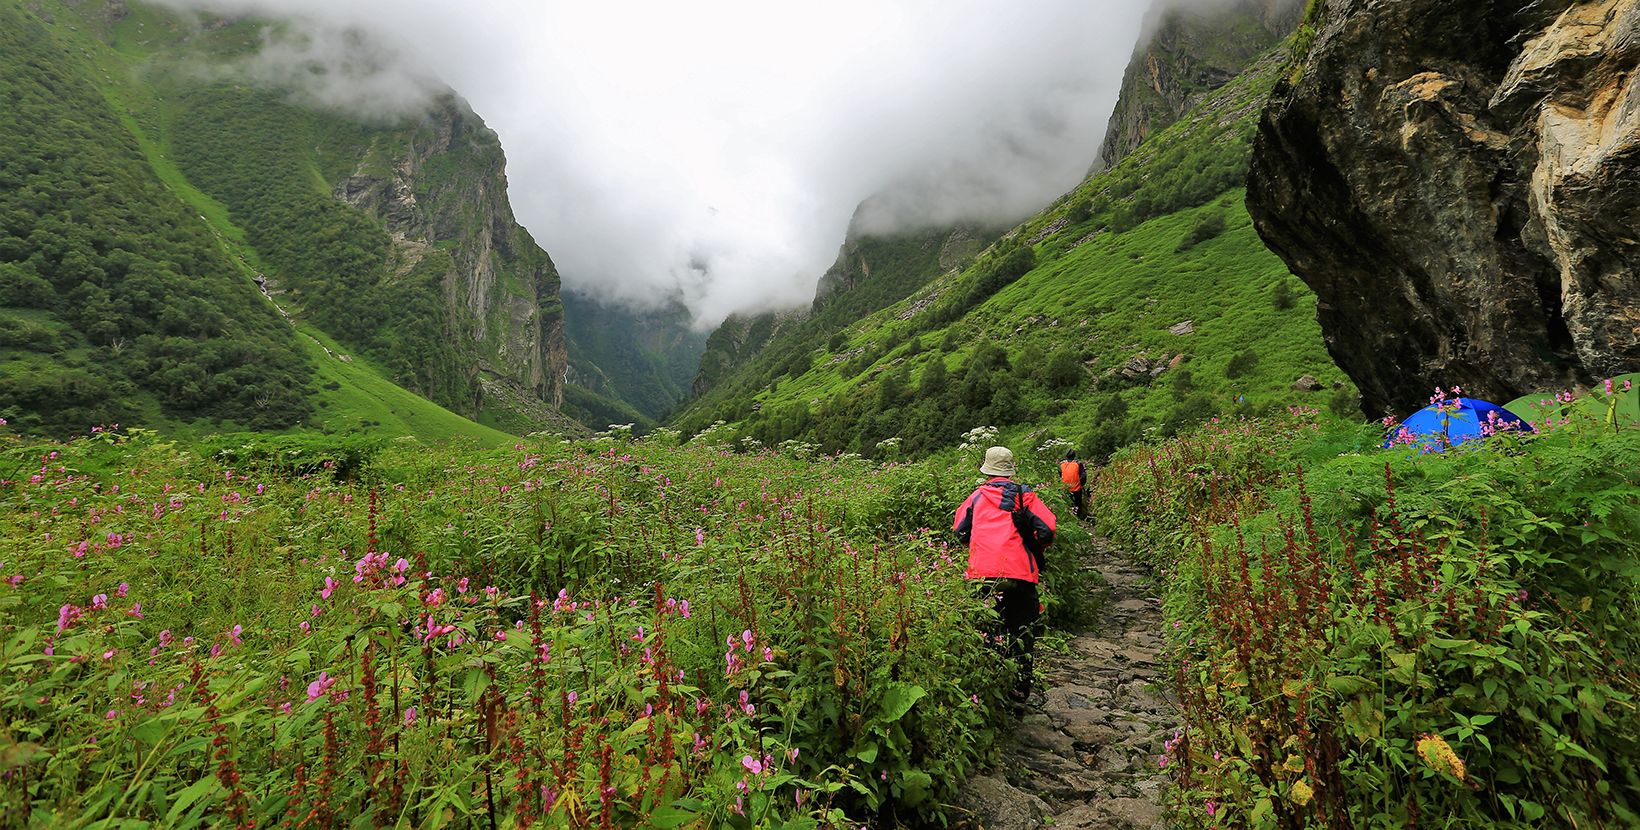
(1013, 634)
(1077, 505)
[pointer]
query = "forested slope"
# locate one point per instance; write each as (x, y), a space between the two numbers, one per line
(119, 304)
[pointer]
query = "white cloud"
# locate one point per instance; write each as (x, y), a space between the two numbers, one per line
(720, 148)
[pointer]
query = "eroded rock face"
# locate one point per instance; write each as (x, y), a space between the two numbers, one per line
(1459, 183)
(441, 186)
(1190, 52)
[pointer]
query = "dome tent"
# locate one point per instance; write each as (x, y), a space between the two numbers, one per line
(1451, 422)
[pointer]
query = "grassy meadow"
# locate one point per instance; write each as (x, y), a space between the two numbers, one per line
(598, 634)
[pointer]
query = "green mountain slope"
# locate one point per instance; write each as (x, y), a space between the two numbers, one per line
(390, 240)
(1065, 328)
(115, 298)
(872, 272)
(626, 365)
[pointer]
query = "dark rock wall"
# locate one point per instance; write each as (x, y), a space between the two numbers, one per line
(1187, 55)
(1457, 182)
(442, 183)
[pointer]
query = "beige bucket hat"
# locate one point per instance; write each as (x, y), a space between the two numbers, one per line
(999, 461)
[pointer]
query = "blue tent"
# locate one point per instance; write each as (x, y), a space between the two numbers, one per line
(1426, 426)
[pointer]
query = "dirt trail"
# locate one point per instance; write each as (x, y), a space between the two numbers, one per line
(1088, 758)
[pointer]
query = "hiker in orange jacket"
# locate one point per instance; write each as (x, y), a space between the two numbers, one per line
(1006, 528)
(1075, 475)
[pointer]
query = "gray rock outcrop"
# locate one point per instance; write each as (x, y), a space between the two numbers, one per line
(1189, 53)
(1459, 183)
(441, 186)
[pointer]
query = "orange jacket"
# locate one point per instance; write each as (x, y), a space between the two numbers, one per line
(995, 546)
(1074, 475)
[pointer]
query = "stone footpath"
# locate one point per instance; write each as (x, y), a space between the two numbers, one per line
(1087, 759)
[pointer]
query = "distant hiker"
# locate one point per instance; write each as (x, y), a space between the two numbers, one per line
(1006, 527)
(1075, 475)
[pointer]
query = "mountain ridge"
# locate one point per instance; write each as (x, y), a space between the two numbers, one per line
(447, 266)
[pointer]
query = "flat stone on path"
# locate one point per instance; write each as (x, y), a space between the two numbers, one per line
(1089, 756)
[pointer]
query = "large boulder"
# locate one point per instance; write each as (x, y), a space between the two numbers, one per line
(1459, 183)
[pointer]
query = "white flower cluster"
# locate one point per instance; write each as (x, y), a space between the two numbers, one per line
(979, 438)
(616, 432)
(719, 434)
(1054, 444)
(800, 450)
(664, 436)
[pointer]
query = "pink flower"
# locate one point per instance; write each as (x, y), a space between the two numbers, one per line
(216, 649)
(120, 591)
(330, 585)
(573, 697)
(461, 585)
(283, 707)
(306, 629)
(317, 688)
(409, 716)
(233, 634)
(501, 635)
(99, 602)
(752, 764)
(109, 654)
(136, 611)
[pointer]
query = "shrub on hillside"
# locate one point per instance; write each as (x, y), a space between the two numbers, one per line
(1242, 364)
(1205, 228)
(1282, 296)
(1064, 370)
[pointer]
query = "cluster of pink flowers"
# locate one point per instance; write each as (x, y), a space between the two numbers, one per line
(732, 659)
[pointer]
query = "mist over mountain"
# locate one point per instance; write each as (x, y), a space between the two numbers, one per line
(714, 154)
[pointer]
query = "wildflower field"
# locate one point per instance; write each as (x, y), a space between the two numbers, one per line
(1403, 637)
(593, 635)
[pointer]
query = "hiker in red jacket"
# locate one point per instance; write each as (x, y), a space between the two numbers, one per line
(1006, 528)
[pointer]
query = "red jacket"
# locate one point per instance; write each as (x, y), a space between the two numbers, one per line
(995, 547)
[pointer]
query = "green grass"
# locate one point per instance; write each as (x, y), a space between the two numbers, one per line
(390, 410)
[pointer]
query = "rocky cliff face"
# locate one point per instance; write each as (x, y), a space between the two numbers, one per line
(1459, 182)
(440, 185)
(1188, 55)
